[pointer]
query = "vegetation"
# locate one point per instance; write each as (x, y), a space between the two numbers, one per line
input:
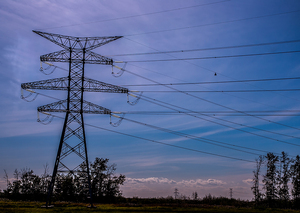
(71, 187)
(281, 171)
(276, 188)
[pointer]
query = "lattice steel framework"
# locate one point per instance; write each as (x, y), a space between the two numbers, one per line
(77, 52)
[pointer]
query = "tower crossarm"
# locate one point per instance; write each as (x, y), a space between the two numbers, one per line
(58, 56)
(71, 42)
(50, 84)
(89, 85)
(95, 58)
(77, 55)
(61, 106)
(92, 85)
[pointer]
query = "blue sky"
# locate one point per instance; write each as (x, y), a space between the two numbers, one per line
(152, 169)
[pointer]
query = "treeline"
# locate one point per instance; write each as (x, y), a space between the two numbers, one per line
(276, 181)
(70, 187)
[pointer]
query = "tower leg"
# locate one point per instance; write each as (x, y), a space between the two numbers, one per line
(50, 189)
(87, 165)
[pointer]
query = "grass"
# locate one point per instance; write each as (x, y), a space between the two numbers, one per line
(65, 207)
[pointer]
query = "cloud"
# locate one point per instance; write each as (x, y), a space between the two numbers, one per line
(200, 182)
(161, 186)
(248, 181)
(150, 180)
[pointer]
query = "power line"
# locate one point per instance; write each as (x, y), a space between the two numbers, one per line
(197, 66)
(227, 120)
(215, 113)
(201, 139)
(191, 113)
(204, 49)
(216, 91)
(217, 82)
(215, 57)
(163, 104)
(211, 112)
(213, 103)
(166, 144)
(189, 62)
(231, 121)
(234, 115)
(247, 114)
(216, 23)
(139, 15)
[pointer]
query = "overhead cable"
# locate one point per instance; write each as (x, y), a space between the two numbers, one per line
(189, 62)
(209, 48)
(215, 57)
(223, 106)
(216, 82)
(215, 23)
(215, 91)
(201, 139)
(169, 106)
(159, 142)
(216, 113)
(138, 15)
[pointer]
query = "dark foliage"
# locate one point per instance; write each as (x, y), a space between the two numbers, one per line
(71, 187)
(295, 171)
(255, 188)
(270, 178)
(280, 172)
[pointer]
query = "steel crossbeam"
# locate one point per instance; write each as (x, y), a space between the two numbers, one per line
(89, 85)
(64, 56)
(61, 106)
(71, 42)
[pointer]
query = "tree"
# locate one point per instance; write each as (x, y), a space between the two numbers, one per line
(104, 181)
(295, 169)
(270, 178)
(195, 196)
(283, 178)
(255, 181)
(16, 186)
(70, 187)
(45, 180)
(30, 184)
(8, 184)
(105, 184)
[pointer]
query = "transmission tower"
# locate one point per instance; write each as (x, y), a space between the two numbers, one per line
(76, 52)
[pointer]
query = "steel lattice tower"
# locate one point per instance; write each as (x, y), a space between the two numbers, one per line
(76, 52)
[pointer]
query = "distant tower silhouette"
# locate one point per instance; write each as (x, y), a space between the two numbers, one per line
(176, 193)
